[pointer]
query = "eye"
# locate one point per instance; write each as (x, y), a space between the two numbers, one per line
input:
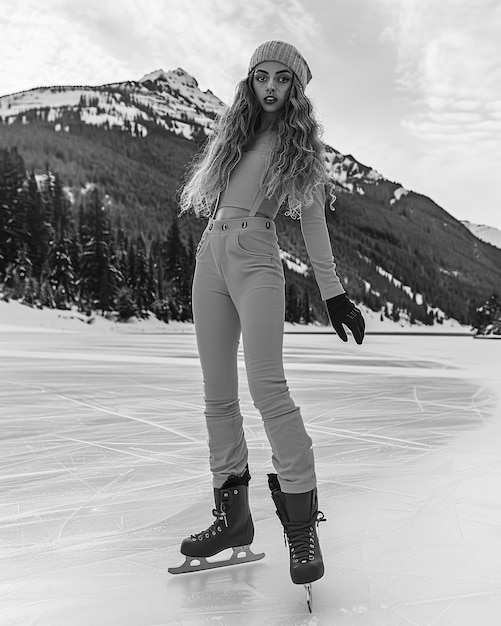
(260, 77)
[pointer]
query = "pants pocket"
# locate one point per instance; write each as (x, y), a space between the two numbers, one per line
(255, 243)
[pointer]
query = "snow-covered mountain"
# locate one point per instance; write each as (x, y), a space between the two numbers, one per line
(172, 100)
(485, 233)
(399, 252)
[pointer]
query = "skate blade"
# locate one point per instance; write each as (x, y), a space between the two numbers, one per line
(309, 596)
(241, 554)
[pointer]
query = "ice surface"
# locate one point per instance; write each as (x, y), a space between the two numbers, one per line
(103, 470)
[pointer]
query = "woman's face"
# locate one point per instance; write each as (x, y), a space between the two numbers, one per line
(272, 82)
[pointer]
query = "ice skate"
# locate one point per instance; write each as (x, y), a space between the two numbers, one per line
(232, 528)
(300, 517)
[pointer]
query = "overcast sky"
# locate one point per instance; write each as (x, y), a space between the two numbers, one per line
(409, 87)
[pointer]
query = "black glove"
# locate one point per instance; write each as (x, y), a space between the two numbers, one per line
(341, 311)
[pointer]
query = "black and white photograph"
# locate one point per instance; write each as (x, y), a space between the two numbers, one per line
(250, 313)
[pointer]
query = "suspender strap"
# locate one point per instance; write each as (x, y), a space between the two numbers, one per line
(216, 205)
(257, 202)
(254, 208)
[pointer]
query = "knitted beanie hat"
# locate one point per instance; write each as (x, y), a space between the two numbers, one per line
(284, 53)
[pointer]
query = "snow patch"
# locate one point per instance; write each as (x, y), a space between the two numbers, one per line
(176, 103)
(373, 175)
(488, 234)
(293, 263)
(398, 193)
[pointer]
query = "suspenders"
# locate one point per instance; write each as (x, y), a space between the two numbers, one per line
(216, 205)
(254, 208)
(257, 202)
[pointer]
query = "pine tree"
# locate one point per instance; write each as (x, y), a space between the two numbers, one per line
(144, 287)
(98, 275)
(191, 248)
(37, 226)
(178, 275)
(160, 305)
(172, 251)
(292, 306)
(125, 303)
(19, 278)
(60, 271)
(305, 308)
(12, 173)
(487, 317)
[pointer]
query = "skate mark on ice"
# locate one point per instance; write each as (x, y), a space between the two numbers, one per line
(66, 468)
(116, 449)
(86, 504)
(103, 409)
(370, 438)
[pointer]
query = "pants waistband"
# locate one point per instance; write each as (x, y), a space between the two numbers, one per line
(238, 223)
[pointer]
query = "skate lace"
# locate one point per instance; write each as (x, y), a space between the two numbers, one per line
(220, 515)
(301, 538)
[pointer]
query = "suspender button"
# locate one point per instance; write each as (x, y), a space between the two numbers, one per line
(244, 224)
(225, 226)
(268, 224)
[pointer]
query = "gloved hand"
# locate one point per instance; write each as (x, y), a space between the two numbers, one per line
(341, 311)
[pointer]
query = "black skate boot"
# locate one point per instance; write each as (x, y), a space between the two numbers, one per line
(232, 528)
(300, 517)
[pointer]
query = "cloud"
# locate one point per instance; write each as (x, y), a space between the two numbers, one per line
(494, 107)
(448, 76)
(408, 86)
(40, 46)
(96, 41)
(438, 43)
(447, 81)
(448, 62)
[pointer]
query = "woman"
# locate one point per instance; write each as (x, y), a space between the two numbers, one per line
(264, 155)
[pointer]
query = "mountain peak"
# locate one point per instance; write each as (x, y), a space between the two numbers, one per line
(178, 75)
(153, 76)
(185, 78)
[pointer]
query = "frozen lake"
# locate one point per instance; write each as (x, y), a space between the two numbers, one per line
(103, 470)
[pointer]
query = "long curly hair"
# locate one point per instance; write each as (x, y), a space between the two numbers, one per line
(296, 164)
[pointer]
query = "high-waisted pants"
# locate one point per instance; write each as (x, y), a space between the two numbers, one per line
(238, 288)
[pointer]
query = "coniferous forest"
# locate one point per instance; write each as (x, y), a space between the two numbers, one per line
(54, 256)
(96, 229)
